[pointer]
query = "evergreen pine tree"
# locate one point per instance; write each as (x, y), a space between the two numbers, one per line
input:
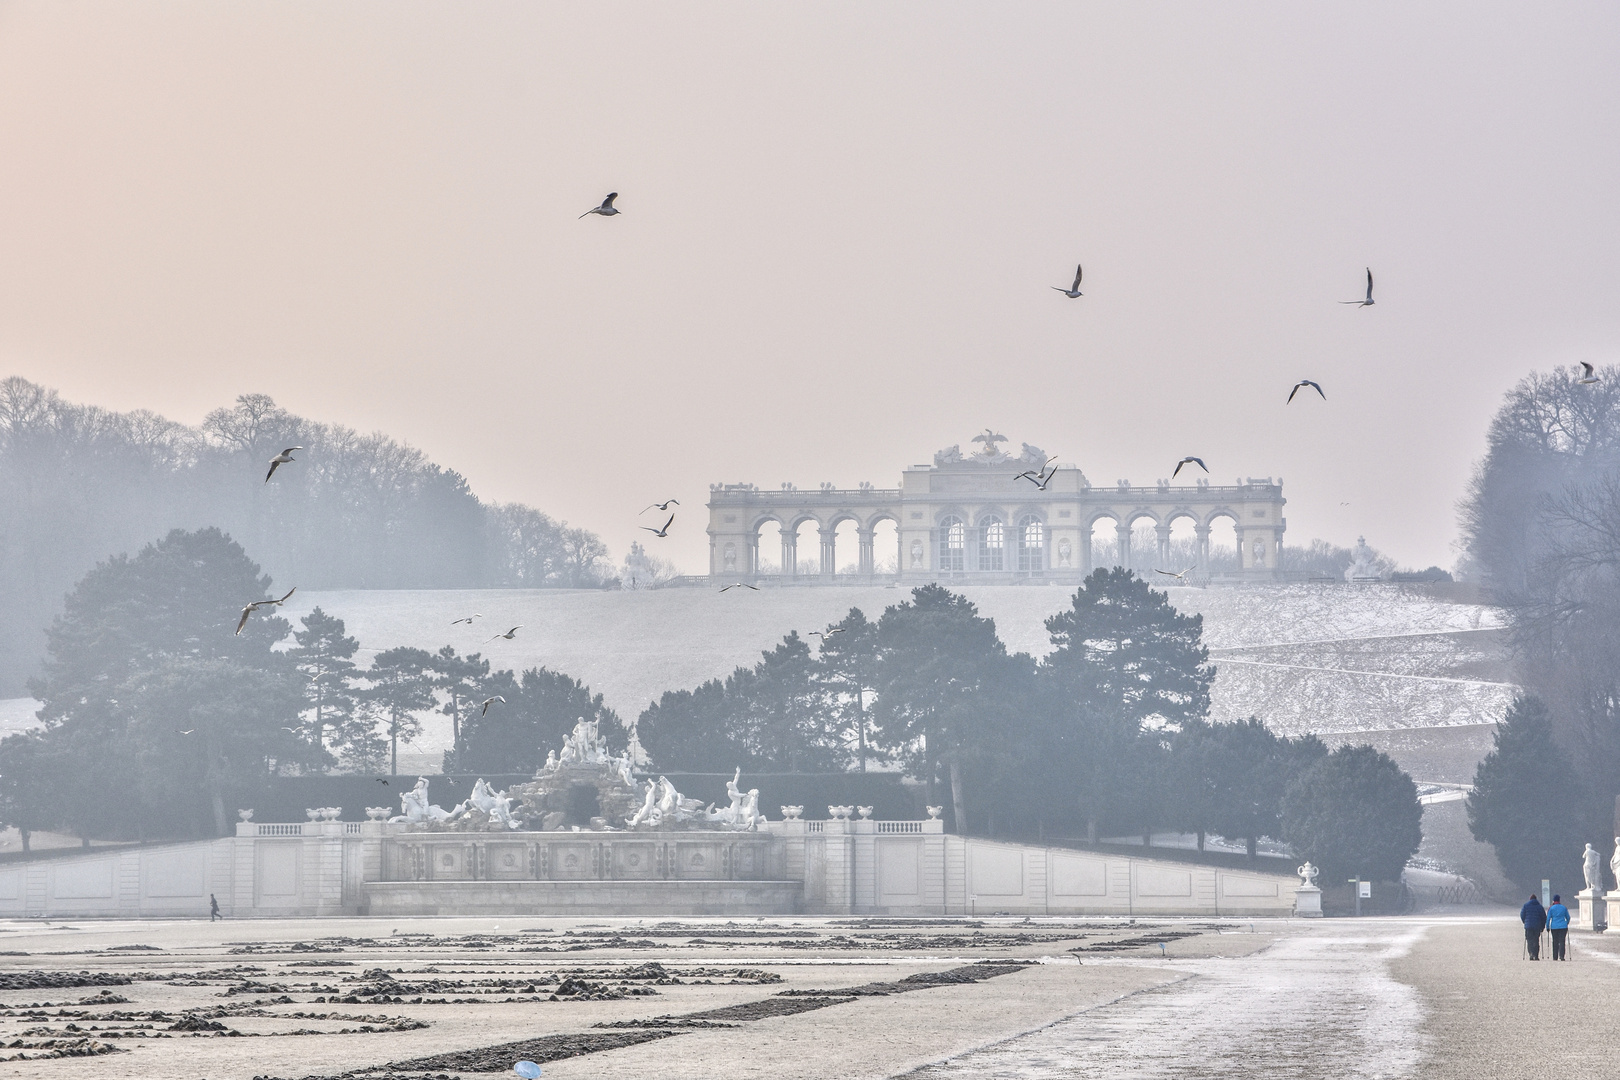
(1525, 799)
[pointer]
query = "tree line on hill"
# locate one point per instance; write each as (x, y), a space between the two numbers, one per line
(155, 712)
(356, 511)
(1541, 529)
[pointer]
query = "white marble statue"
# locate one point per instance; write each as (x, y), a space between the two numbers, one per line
(649, 807)
(584, 745)
(750, 817)
(1592, 867)
(416, 807)
(497, 804)
(1614, 860)
(664, 804)
(622, 765)
(1307, 874)
(551, 762)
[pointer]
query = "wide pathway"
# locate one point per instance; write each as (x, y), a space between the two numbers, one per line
(1351, 998)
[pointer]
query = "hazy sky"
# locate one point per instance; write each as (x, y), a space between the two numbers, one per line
(840, 224)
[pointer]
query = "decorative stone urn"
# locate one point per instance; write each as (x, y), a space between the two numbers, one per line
(378, 813)
(245, 815)
(1307, 897)
(331, 813)
(791, 813)
(934, 811)
(864, 811)
(840, 813)
(312, 813)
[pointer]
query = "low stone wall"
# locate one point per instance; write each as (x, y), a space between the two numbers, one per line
(837, 867)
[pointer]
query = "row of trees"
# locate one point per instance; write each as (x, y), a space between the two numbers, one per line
(1107, 733)
(154, 710)
(357, 511)
(1541, 527)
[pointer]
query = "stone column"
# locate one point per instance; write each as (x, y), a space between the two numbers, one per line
(751, 555)
(1164, 544)
(1201, 534)
(790, 553)
(1083, 560)
(1122, 533)
(1238, 537)
(829, 551)
(868, 561)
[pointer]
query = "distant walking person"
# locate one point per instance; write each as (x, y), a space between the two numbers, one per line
(213, 908)
(1534, 917)
(1558, 923)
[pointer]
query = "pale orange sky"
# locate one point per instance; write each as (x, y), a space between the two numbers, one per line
(840, 224)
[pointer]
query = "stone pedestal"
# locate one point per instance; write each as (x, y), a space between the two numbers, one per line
(1591, 911)
(1308, 902)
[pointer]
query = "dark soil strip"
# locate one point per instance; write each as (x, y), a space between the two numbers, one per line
(762, 1010)
(494, 1059)
(1135, 942)
(56, 980)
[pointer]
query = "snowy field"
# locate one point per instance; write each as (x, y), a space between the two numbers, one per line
(1324, 658)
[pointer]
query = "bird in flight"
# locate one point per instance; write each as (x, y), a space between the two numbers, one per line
(1367, 302)
(257, 604)
(294, 730)
(1073, 290)
(381, 781)
(191, 732)
(1588, 376)
(1189, 461)
(279, 460)
(1039, 477)
(488, 701)
(468, 620)
(1302, 384)
(662, 530)
(740, 585)
(509, 635)
(1181, 577)
(825, 634)
(607, 209)
(663, 505)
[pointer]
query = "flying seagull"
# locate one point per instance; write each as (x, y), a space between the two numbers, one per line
(192, 731)
(1073, 290)
(662, 531)
(1181, 577)
(825, 634)
(740, 585)
(257, 604)
(1039, 477)
(663, 505)
(1302, 384)
(280, 460)
(468, 620)
(1189, 461)
(294, 730)
(607, 209)
(1367, 302)
(381, 781)
(488, 701)
(509, 635)
(1587, 375)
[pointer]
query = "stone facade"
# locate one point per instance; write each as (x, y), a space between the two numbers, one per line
(836, 867)
(970, 518)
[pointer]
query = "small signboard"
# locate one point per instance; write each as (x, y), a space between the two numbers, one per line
(1364, 890)
(1546, 892)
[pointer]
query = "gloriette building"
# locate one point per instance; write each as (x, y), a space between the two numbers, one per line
(970, 518)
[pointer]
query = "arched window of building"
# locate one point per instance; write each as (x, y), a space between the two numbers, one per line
(992, 545)
(1031, 538)
(952, 545)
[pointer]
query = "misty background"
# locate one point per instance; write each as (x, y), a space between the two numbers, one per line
(839, 227)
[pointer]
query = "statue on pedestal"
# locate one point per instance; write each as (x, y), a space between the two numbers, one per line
(1614, 861)
(1592, 868)
(416, 807)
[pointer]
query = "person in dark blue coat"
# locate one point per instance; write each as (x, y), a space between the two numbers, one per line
(1558, 923)
(1534, 917)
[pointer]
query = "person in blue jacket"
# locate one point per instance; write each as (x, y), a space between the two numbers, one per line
(1534, 917)
(1558, 923)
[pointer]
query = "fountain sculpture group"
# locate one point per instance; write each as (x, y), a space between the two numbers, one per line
(585, 774)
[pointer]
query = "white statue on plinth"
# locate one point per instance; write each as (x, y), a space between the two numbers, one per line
(1592, 867)
(416, 807)
(1614, 860)
(1307, 874)
(584, 745)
